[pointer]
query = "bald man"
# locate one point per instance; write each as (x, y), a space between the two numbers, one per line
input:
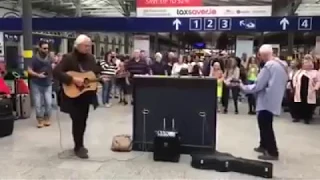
(269, 90)
(80, 60)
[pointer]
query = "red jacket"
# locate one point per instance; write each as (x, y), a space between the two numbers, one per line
(4, 88)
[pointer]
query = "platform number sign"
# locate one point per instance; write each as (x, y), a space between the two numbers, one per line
(209, 24)
(305, 23)
(224, 24)
(195, 24)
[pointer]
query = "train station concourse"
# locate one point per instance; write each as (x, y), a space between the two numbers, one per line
(36, 154)
(159, 89)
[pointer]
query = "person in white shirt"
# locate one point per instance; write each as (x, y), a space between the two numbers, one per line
(178, 66)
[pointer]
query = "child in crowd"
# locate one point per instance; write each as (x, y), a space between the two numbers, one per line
(122, 76)
(217, 73)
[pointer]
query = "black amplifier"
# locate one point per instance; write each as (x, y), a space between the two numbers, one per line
(166, 145)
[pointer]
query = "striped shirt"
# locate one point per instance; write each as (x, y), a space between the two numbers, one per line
(108, 69)
(137, 67)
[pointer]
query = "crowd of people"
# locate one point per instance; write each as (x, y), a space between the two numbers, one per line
(256, 78)
(227, 69)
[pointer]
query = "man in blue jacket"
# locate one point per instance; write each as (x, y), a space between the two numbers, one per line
(269, 90)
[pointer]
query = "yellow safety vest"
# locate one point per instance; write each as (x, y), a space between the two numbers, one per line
(252, 73)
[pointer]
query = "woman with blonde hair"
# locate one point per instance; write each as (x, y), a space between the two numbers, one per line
(305, 83)
(232, 81)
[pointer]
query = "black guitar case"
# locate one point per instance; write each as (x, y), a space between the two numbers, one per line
(214, 161)
(252, 167)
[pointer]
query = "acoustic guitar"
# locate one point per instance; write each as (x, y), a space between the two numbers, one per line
(90, 84)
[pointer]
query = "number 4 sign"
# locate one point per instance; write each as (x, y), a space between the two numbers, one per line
(305, 23)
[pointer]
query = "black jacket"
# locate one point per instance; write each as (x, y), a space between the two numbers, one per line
(73, 62)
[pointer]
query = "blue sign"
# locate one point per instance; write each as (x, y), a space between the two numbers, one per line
(224, 24)
(209, 24)
(248, 23)
(120, 24)
(195, 24)
(305, 23)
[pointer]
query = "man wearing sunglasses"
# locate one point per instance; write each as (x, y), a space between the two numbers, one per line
(40, 72)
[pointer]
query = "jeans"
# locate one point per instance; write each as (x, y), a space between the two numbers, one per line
(106, 90)
(115, 88)
(54, 100)
(42, 97)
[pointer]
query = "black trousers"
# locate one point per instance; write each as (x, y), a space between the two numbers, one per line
(302, 111)
(235, 90)
(79, 116)
(267, 137)
(251, 103)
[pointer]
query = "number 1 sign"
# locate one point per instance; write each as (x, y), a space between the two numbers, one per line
(195, 24)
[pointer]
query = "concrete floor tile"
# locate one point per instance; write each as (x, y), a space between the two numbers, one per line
(48, 173)
(78, 165)
(32, 153)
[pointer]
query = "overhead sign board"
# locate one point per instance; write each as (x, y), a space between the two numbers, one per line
(167, 3)
(204, 11)
(239, 24)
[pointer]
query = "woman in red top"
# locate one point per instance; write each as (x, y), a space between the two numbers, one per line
(4, 88)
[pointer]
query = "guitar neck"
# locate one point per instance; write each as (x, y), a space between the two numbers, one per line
(94, 80)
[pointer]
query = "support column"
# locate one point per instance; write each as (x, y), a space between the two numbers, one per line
(291, 34)
(183, 43)
(156, 42)
(290, 44)
(171, 41)
(27, 33)
(78, 8)
(179, 44)
(261, 39)
(213, 41)
(78, 13)
(126, 35)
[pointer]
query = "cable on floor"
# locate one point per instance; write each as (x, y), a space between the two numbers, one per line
(58, 119)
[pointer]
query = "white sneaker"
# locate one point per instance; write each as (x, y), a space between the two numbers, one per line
(108, 105)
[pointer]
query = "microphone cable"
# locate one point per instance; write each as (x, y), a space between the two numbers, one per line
(73, 157)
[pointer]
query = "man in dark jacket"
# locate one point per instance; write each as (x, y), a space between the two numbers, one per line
(80, 60)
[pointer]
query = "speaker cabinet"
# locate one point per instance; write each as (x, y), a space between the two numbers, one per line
(190, 101)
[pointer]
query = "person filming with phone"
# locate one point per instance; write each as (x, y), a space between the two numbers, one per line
(40, 72)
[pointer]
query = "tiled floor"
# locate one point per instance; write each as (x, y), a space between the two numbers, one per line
(33, 153)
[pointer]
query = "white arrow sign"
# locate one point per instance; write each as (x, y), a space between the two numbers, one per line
(241, 23)
(177, 23)
(284, 22)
